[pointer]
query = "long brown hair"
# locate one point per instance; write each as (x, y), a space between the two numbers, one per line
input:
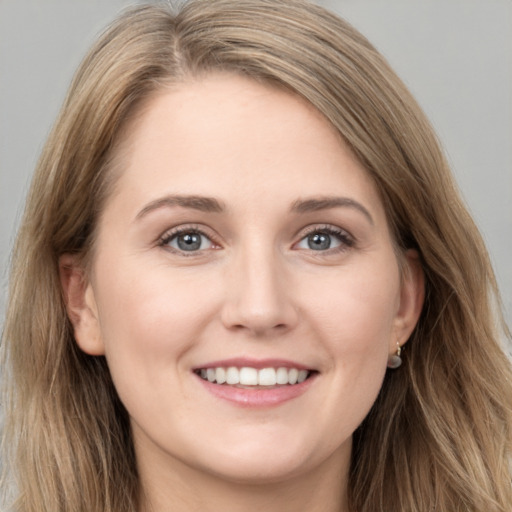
(439, 435)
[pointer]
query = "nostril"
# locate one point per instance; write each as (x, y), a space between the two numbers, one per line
(259, 309)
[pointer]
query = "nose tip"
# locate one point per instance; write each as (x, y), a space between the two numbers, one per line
(257, 321)
(259, 301)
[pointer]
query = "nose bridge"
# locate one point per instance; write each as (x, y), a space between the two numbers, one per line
(258, 298)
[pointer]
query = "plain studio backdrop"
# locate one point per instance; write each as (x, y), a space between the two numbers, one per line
(454, 55)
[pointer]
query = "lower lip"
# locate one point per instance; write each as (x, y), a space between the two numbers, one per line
(258, 397)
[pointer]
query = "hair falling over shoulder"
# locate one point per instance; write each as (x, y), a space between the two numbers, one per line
(439, 436)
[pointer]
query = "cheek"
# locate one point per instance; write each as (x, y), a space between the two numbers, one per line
(354, 316)
(149, 317)
(357, 306)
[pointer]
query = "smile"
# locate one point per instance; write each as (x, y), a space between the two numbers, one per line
(249, 376)
(255, 383)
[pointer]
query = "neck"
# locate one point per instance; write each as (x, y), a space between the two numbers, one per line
(185, 489)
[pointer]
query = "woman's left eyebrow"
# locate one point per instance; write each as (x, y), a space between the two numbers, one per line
(324, 203)
(201, 203)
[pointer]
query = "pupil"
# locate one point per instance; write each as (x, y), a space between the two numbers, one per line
(189, 242)
(319, 241)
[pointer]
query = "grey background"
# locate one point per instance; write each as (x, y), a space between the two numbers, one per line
(455, 55)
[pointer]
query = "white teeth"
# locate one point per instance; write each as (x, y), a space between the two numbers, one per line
(302, 376)
(220, 375)
(267, 377)
(247, 376)
(232, 375)
(282, 376)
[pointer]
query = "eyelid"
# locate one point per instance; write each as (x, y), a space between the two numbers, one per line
(346, 238)
(170, 233)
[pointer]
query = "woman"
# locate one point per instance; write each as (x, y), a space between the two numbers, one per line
(245, 279)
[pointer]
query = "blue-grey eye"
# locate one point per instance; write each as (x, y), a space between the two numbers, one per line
(320, 241)
(189, 241)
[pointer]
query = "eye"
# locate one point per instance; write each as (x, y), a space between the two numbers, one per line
(187, 240)
(325, 238)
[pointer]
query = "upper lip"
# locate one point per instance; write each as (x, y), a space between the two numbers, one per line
(241, 362)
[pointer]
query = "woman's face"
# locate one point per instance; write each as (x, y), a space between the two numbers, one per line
(244, 287)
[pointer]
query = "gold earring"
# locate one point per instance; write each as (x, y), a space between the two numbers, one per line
(394, 361)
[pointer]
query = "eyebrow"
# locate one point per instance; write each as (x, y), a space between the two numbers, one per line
(212, 205)
(200, 203)
(326, 203)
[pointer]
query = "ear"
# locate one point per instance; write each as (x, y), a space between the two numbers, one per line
(412, 296)
(80, 305)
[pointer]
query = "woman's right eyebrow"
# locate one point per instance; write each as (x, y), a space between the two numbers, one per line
(200, 203)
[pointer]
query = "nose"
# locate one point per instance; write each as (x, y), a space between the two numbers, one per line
(259, 295)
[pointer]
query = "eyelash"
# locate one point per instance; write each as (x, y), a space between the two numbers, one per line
(346, 240)
(168, 236)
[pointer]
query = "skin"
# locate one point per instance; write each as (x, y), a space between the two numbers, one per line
(255, 289)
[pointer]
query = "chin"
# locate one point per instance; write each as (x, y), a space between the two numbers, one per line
(259, 471)
(258, 462)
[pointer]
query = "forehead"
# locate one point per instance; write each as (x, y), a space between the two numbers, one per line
(230, 136)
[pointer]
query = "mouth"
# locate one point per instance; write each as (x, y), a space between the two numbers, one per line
(257, 378)
(256, 383)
